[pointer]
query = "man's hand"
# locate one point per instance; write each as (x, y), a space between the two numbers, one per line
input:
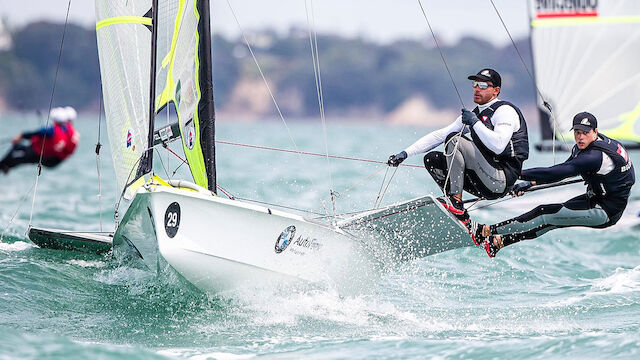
(469, 118)
(519, 188)
(16, 139)
(395, 160)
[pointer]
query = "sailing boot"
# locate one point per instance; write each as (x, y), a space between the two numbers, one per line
(492, 245)
(455, 206)
(479, 232)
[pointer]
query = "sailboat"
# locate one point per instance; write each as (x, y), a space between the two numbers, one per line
(156, 55)
(586, 56)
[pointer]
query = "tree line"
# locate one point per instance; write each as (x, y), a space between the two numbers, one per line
(357, 73)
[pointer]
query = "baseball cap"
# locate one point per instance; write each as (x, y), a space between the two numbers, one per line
(487, 75)
(72, 114)
(584, 121)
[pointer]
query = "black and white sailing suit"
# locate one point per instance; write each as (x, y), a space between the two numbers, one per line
(486, 165)
(608, 173)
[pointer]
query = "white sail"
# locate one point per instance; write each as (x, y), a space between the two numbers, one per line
(178, 77)
(586, 55)
(124, 43)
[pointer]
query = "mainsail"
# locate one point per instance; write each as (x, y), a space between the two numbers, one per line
(182, 76)
(124, 43)
(586, 55)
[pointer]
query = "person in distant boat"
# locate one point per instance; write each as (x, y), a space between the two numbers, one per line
(489, 162)
(55, 142)
(606, 168)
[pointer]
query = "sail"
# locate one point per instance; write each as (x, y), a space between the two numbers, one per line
(586, 55)
(124, 43)
(183, 78)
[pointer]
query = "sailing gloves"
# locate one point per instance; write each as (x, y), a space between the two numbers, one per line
(519, 188)
(395, 160)
(469, 118)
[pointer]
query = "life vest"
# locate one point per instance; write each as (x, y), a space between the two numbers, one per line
(54, 145)
(611, 190)
(517, 150)
(73, 138)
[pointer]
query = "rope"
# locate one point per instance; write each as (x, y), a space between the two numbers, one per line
(315, 57)
(22, 200)
(389, 183)
(544, 101)
(53, 91)
(310, 153)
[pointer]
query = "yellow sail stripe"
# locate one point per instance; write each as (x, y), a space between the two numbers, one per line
(123, 20)
(625, 131)
(584, 20)
(194, 155)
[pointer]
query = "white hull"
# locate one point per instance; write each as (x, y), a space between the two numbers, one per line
(220, 244)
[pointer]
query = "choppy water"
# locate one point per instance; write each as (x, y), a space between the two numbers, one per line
(574, 293)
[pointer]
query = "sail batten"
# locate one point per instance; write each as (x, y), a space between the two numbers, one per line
(585, 59)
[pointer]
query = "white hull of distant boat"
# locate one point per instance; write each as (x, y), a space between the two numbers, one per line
(220, 244)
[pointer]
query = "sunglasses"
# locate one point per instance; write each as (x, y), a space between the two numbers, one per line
(481, 84)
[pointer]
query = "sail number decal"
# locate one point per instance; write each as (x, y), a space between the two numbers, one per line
(172, 219)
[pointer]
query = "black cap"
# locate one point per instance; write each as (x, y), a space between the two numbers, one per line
(487, 75)
(584, 121)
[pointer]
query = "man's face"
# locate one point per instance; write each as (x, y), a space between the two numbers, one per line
(482, 96)
(584, 138)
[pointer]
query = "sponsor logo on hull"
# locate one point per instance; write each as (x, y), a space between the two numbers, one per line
(299, 244)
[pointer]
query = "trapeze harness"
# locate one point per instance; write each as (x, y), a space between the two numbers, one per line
(600, 207)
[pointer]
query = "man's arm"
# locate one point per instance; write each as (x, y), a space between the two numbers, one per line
(434, 138)
(589, 161)
(45, 131)
(505, 122)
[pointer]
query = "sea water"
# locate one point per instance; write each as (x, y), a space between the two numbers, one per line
(573, 293)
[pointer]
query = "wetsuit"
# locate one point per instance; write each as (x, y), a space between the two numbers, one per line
(486, 165)
(608, 173)
(55, 142)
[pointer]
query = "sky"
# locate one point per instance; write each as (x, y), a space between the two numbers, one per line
(377, 20)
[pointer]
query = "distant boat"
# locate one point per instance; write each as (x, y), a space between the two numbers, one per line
(586, 57)
(156, 53)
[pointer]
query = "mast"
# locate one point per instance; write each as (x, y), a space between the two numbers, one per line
(146, 163)
(206, 110)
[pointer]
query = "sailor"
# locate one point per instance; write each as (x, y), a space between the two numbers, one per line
(489, 162)
(55, 142)
(606, 168)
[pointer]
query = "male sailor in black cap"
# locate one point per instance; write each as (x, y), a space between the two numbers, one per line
(488, 163)
(607, 171)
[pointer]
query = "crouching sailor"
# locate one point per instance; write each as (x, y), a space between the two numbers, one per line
(489, 163)
(53, 143)
(607, 171)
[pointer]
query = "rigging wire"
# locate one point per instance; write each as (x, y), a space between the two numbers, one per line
(20, 203)
(98, 146)
(260, 147)
(315, 57)
(455, 148)
(264, 79)
(53, 91)
(544, 101)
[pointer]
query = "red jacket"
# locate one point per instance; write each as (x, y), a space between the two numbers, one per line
(60, 145)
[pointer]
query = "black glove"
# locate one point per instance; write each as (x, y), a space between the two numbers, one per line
(469, 118)
(520, 188)
(395, 160)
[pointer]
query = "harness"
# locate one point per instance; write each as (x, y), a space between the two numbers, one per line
(517, 150)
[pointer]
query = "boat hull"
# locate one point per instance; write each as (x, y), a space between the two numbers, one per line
(219, 244)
